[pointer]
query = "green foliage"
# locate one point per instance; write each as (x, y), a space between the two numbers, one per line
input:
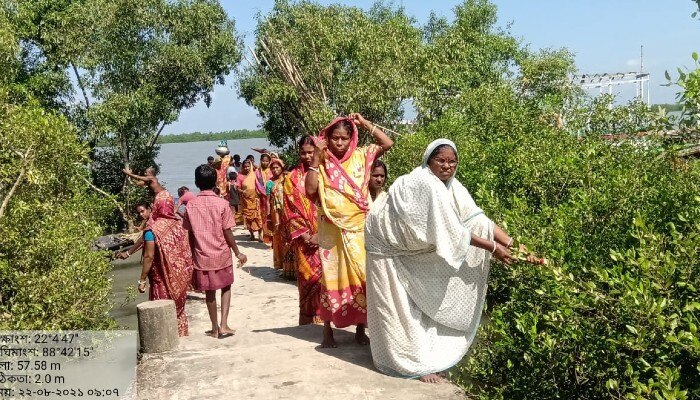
(347, 61)
(235, 134)
(136, 65)
(602, 116)
(49, 276)
(689, 97)
(669, 107)
(468, 53)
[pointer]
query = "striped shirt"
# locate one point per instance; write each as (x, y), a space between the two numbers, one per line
(206, 218)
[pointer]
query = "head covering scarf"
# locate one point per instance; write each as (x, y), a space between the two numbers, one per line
(277, 161)
(354, 137)
(163, 208)
(434, 145)
(334, 172)
(449, 205)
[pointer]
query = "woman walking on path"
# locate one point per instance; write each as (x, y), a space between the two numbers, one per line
(301, 219)
(234, 199)
(338, 177)
(262, 176)
(429, 249)
(167, 261)
(275, 193)
(249, 200)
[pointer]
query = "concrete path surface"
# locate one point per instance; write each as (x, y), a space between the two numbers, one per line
(270, 356)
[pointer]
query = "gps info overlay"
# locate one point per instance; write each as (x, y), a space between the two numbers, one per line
(67, 364)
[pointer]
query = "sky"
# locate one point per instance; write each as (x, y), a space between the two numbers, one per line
(604, 35)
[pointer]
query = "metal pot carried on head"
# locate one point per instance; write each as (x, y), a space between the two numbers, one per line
(222, 149)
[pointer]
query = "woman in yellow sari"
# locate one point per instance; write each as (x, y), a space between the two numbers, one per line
(250, 203)
(278, 227)
(338, 178)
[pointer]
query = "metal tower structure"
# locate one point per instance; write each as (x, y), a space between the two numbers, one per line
(608, 80)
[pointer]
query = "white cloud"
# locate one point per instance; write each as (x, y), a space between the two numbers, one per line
(632, 62)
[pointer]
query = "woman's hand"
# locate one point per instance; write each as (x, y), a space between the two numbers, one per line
(142, 287)
(502, 254)
(359, 120)
(309, 239)
(319, 152)
(314, 240)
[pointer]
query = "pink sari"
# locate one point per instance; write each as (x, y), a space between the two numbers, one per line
(171, 272)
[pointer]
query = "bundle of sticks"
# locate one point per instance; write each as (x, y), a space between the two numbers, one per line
(273, 59)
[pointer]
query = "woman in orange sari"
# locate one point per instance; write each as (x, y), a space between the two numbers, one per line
(338, 177)
(222, 175)
(250, 203)
(167, 260)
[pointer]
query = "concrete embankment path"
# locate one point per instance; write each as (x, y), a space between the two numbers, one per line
(270, 356)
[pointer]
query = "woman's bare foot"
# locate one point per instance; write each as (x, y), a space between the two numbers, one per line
(361, 336)
(212, 333)
(431, 378)
(328, 340)
(225, 332)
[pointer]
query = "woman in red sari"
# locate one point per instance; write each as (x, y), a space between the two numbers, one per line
(301, 221)
(167, 261)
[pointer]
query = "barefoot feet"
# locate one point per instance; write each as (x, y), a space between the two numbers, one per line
(328, 340)
(225, 331)
(431, 378)
(361, 336)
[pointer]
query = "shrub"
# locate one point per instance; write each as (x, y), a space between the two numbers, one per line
(49, 276)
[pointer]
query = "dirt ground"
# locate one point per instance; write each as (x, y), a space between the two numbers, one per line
(270, 356)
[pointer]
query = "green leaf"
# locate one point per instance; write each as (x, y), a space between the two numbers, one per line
(632, 329)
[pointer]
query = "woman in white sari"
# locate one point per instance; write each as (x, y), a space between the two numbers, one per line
(428, 253)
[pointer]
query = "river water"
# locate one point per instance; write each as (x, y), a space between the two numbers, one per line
(177, 164)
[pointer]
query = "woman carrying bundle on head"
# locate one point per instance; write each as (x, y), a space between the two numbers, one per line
(338, 178)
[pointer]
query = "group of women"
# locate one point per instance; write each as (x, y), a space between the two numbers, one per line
(412, 261)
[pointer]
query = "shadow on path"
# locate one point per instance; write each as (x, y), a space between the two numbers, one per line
(267, 274)
(244, 242)
(348, 350)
